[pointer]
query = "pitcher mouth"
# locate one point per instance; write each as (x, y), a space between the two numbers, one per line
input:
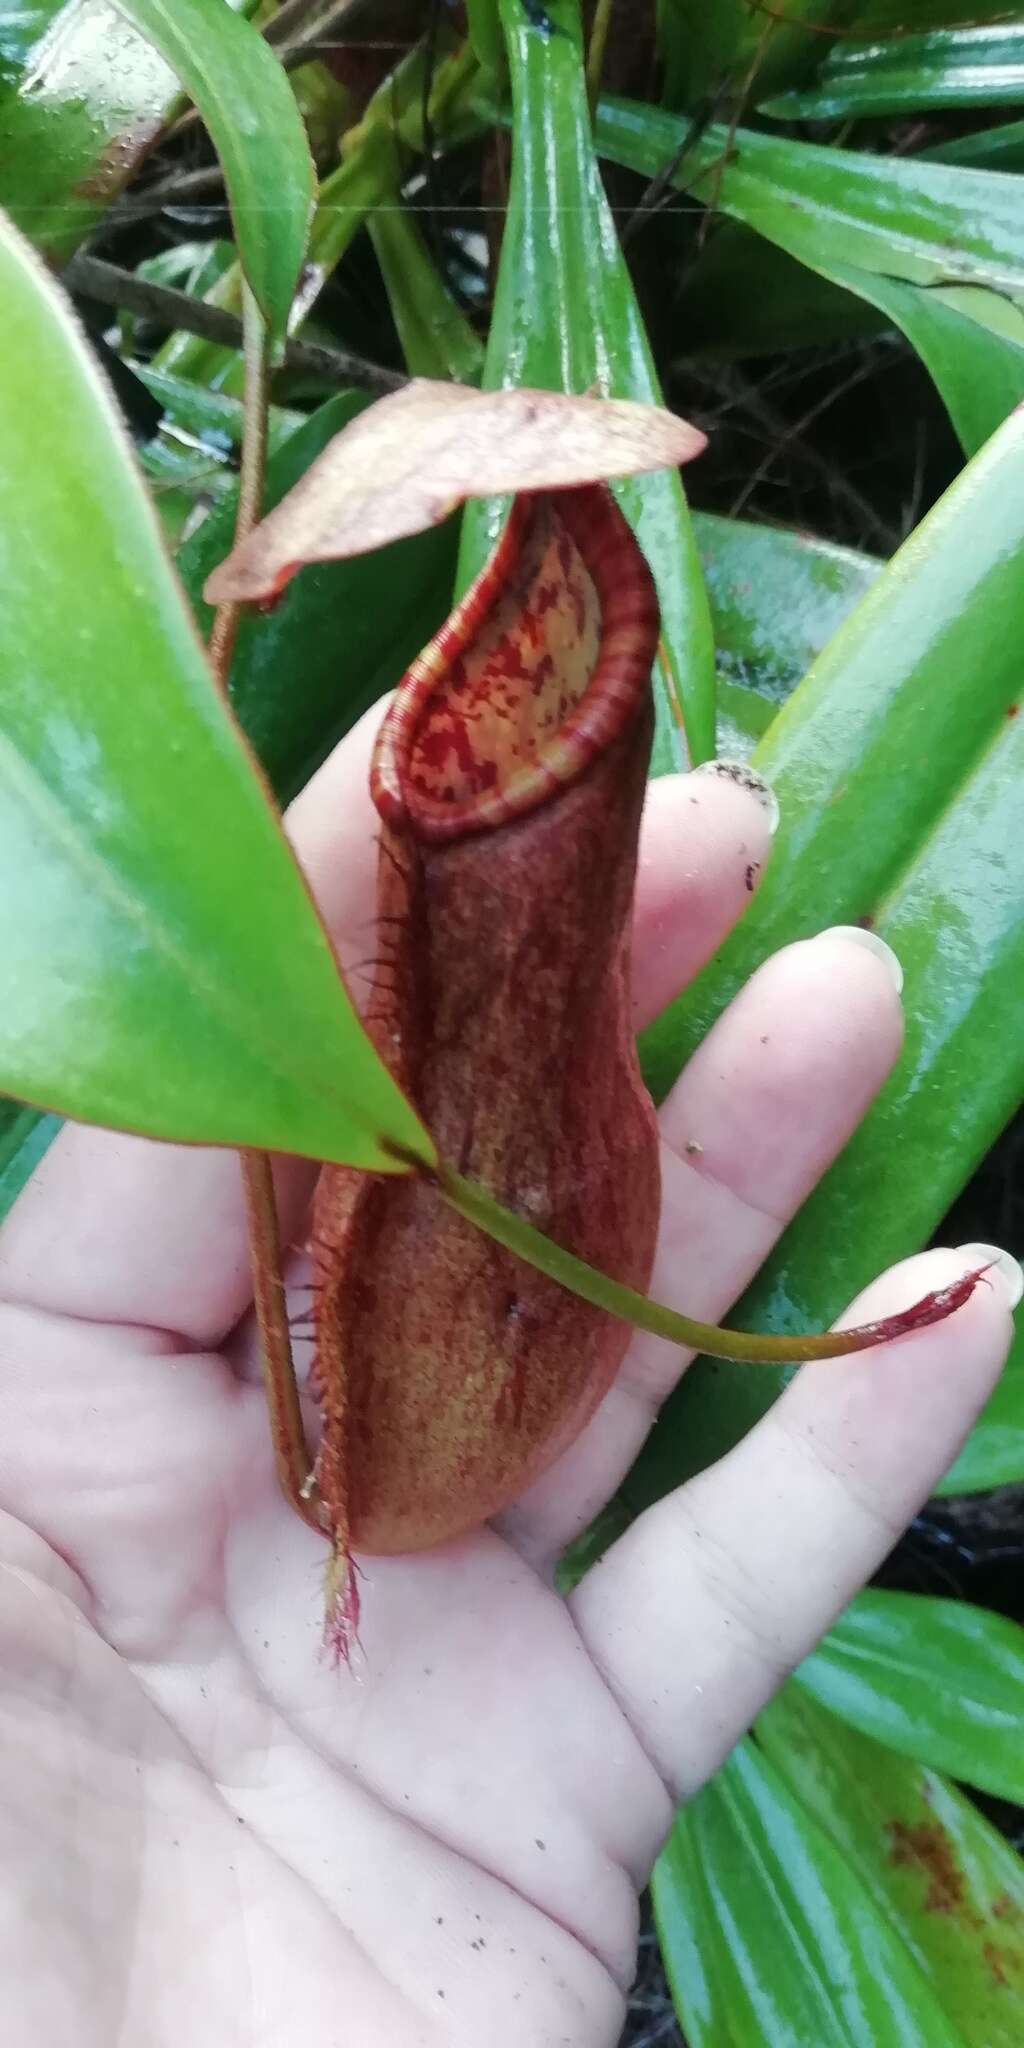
(539, 669)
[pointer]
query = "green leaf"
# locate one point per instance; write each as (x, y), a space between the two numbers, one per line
(942, 1879)
(376, 152)
(212, 416)
(957, 924)
(291, 695)
(994, 1452)
(921, 650)
(927, 223)
(25, 1135)
(989, 149)
(244, 97)
(164, 967)
(742, 717)
(691, 1951)
(939, 1680)
(566, 319)
(970, 340)
(932, 644)
(437, 339)
(959, 67)
(81, 99)
(484, 25)
(738, 46)
(898, 232)
(776, 598)
(744, 296)
(787, 1948)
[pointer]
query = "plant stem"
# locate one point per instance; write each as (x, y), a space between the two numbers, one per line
(252, 475)
(291, 1453)
(111, 286)
(746, 1347)
(292, 1458)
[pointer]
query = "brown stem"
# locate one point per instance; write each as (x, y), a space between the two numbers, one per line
(292, 1458)
(318, 37)
(112, 286)
(291, 1455)
(252, 476)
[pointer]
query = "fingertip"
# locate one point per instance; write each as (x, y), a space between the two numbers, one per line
(704, 844)
(870, 942)
(725, 768)
(993, 1260)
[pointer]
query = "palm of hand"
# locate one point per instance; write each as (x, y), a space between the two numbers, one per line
(211, 1834)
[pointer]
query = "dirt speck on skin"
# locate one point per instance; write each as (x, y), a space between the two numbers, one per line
(926, 1847)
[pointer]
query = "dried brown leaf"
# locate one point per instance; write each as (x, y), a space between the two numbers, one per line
(409, 460)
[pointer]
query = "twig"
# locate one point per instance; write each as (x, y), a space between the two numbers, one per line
(662, 188)
(293, 14)
(794, 431)
(252, 473)
(749, 398)
(429, 166)
(291, 55)
(291, 1453)
(111, 286)
(319, 38)
(735, 118)
(179, 188)
(289, 1436)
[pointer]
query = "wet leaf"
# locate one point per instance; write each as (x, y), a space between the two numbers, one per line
(938, 1680)
(939, 875)
(291, 693)
(566, 316)
(243, 94)
(903, 233)
(776, 598)
(947, 1885)
(165, 968)
(437, 339)
(955, 919)
(935, 638)
(769, 1935)
(737, 46)
(956, 67)
(994, 1452)
(410, 459)
(82, 99)
(25, 1134)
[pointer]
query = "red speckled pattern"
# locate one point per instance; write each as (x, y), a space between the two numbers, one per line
(536, 672)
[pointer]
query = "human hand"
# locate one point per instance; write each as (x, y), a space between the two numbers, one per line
(208, 1834)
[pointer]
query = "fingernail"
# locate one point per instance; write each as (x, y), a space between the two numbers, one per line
(999, 1262)
(871, 944)
(745, 777)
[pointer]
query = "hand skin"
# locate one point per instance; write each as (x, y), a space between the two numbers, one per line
(207, 1833)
